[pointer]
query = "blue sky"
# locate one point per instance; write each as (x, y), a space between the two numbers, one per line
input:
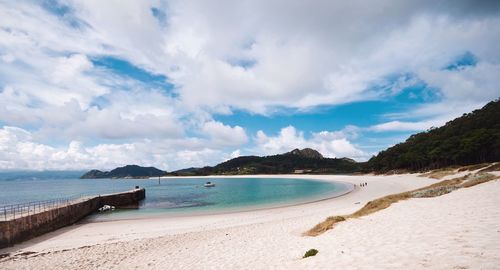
(173, 84)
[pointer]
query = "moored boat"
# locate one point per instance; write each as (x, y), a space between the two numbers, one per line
(209, 184)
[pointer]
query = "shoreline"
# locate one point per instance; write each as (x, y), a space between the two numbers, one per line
(85, 233)
(273, 238)
(270, 206)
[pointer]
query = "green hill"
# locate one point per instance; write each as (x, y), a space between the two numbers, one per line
(470, 139)
(297, 161)
(132, 171)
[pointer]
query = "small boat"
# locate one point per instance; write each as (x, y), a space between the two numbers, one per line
(209, 184)
(106, 208)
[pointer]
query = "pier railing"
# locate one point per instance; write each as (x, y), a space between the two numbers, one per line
(27, 220)
(13, 211)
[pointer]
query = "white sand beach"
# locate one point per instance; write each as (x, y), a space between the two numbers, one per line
(459, 230)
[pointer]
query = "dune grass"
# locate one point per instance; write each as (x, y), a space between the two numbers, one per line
(434, 190)
(440, 173)
(492, 168)
(370, 207)
(379, 204)
(473, 167)
(482, 178)
(325, 225)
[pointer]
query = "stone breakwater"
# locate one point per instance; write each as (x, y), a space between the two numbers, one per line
(23, 228)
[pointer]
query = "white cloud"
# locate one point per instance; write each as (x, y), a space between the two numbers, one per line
(69, 67)
(19, 150)
(236, 153)
(62, 93)
(348, 132)
(251, 55)
(304, 60)
(301, 59)
(336, 58)
(223, 135)
(406, 126)
(472, 83)
(330, 144)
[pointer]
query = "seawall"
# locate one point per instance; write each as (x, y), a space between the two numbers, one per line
(20, 229)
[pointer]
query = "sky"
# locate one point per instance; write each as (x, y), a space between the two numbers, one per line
(177, 84)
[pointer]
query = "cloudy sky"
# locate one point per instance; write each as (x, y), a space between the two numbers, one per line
(174, 84)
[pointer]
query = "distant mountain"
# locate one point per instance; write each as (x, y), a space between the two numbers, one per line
(470, 139)
(296, 161)
(187, 171)
(306, 153)
(94, 174)
(348, 159)
(129, 171)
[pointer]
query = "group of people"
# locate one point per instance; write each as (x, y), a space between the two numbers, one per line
(363, 184)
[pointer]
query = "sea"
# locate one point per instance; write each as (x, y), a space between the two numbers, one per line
(168, 196)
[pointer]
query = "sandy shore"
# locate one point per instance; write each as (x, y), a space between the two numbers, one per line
(460, 230)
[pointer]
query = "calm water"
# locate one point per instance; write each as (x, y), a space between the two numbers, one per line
(173, 196)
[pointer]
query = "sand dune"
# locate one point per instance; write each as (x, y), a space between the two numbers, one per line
(460, 230)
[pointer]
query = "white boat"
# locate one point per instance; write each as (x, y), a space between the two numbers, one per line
(106, 208)
(209, 184)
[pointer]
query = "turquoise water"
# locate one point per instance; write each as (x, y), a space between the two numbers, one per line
(172, 196)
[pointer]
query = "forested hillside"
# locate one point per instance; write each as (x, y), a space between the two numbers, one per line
(126, 171)
(297, 161)
(470, 139)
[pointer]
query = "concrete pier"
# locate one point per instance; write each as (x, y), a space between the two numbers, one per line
(20, 229)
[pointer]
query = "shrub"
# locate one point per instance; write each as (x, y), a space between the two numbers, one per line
(311, 252)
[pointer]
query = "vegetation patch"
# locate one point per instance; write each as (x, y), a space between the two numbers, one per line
(479, 179)
(446, 183)
(311, 252)
(393, 172)
(433, 190)
(473, 167)
(325, 225)
(440, 173)
(4, 255)
(379, 204)
(492, 168)
(370, 207)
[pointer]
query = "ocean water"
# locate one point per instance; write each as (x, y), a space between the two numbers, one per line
(172, 196)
